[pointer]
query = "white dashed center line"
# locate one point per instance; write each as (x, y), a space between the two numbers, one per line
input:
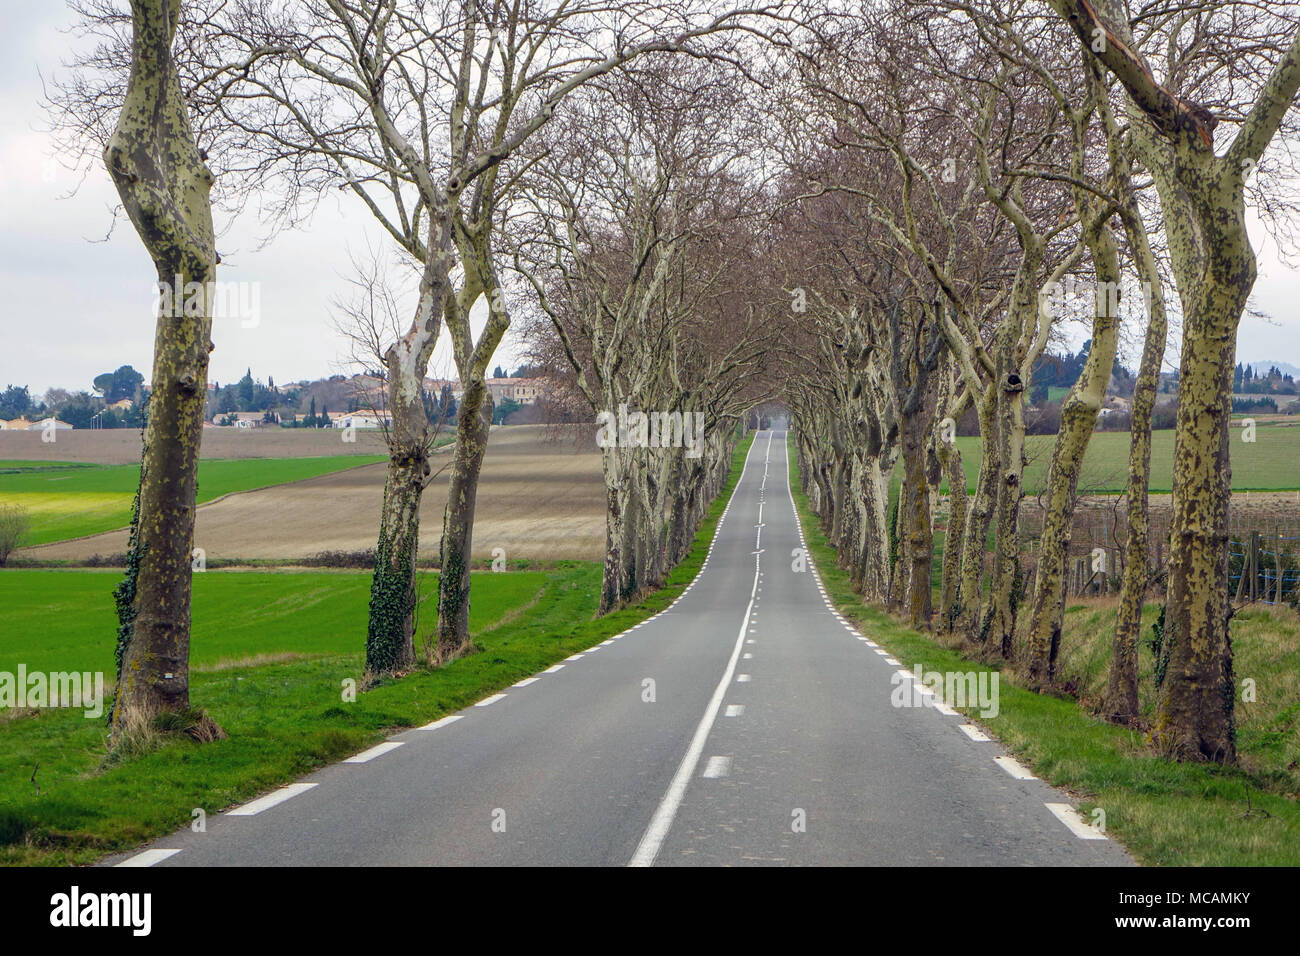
(717, 767)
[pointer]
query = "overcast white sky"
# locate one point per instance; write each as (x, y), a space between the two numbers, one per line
(74, 305)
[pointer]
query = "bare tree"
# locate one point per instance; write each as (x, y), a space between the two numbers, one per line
(164, 185)
(1202, 194)
(635, 244)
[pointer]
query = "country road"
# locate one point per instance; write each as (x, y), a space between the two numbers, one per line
(746, 724)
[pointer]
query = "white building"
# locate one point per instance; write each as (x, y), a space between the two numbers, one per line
(357, 420)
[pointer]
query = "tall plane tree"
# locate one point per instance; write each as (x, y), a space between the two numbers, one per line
(1202, 193)
(164, 184)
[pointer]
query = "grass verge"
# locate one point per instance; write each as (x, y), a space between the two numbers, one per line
(1165, 813)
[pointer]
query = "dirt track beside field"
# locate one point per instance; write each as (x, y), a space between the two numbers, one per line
(537, 499)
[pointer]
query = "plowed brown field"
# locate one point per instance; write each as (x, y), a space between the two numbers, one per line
(537, 499)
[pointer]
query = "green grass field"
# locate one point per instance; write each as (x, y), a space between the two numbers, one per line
(64, 620)
(71, 500)
(1267, 464)
(270, 653)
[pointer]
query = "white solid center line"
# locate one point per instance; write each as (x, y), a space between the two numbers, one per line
(148, 857)
(666, 812)
(270, 800)
(378, 750)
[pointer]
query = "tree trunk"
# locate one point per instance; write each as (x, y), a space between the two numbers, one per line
(970, 594)
(873, 539)
(1121, 702)
(1078, 419)
(473, 423)
(390, 631)
(917, 538)
(164, 186)
(1000, 625)
(953, 541)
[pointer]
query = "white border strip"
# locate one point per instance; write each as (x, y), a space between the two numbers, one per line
(270, 800)
(148, 857)
(1074, 820)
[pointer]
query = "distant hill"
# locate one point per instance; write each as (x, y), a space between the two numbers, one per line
(1286, 368)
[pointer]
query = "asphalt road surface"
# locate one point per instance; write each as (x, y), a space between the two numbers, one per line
(746, 724)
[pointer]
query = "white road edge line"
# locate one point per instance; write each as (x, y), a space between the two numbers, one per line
(1075, 821)
(451, 719)
(378, 750)
(666, 812)
(489, 700)
(148, 857)
(270, 800)
(1014, 767)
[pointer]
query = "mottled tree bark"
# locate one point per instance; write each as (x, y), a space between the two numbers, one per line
(999, 627)
(944, 442)
(979, 517)
(1121, 702)
(473, 424)
(1078, 419)
(1202, 195)
(954, 536)
(390, 630)
(164, 185)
